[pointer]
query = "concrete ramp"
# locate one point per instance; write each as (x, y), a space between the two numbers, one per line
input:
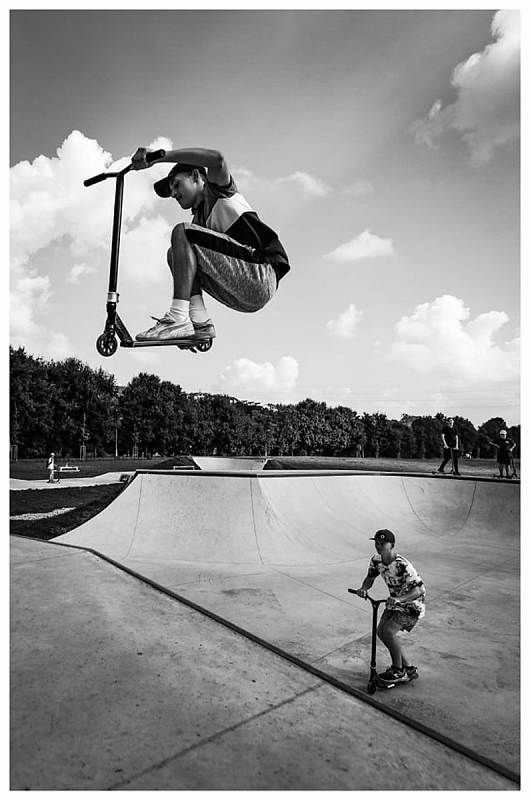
(279, 518)
(229, 464)
(274, 552)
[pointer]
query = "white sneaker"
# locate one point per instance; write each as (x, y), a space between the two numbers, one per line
(167, 328)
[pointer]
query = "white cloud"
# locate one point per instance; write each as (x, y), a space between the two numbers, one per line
(486, 112)
(57, 346)
(78, 270)
(244, 375)
(308, 183)
(59, 227)
(441, 339)
(366, 245)
(302, 182)
(346, 324)
(143, 250)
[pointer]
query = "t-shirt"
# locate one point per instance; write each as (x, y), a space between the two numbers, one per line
(450, 435)
(400, 576)
(504, 445)
(224, 209)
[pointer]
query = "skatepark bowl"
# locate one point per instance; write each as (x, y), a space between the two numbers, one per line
(271, 554)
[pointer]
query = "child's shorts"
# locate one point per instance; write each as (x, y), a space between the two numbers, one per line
(405, 621)
(234, 274)
(504, 458)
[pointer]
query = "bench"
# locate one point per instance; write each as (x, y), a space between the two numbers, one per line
(68, 468)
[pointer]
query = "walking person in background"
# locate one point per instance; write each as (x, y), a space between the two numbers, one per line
(51, 467)
(505, 447)
(450, 445)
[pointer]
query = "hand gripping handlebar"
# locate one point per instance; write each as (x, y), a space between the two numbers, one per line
(150, 157)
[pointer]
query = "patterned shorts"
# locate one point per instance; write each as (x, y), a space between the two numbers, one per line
(405, 621)
(234, 274)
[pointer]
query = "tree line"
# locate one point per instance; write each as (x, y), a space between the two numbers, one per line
(66, 405)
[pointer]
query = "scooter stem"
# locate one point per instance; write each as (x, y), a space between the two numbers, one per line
(116, 232)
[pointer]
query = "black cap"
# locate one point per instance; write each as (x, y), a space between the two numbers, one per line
(162, 187)
(384, 535)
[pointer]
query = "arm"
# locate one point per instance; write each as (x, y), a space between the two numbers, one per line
(366, 584)
(456, 442)
(213, 160)
(413, 594)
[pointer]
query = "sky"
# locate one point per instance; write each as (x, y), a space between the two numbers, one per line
(381, 145)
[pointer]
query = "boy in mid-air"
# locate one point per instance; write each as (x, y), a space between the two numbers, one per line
(404, 607)
(226, 250)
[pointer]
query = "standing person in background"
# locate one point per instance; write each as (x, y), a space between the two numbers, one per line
(450, 445)
(505, 447)
(51, 467)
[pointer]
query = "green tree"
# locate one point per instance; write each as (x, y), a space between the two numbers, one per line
(427, 431)
(31, 419)
(467, 434)
(489, 431)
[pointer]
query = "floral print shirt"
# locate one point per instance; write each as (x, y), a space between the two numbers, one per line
(400, 576)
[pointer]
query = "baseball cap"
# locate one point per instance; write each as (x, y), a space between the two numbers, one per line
(384, 535)
(503, 433)
(162, 187)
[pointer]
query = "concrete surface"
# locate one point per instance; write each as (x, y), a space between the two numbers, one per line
(229, 464)
(116, 686)
(17, 484)
(274, 552)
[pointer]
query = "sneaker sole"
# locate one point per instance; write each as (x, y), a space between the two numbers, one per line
(188, 337)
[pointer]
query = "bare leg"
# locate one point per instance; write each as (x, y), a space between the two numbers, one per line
(387, 632)
(183, 265)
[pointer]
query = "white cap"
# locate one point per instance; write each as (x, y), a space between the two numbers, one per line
(503, 433)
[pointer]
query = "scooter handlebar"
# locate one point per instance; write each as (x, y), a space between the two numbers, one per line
(150, 158)
(95, 179)
(154, 156)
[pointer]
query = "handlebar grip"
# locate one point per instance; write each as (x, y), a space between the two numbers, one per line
(154, 156)
(95, 179)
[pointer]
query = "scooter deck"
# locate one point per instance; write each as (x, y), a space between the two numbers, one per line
(184, 344)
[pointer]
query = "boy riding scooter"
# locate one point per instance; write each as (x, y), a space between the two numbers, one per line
(404, 607)
(226, 250)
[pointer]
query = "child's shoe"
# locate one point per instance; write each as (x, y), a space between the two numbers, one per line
(167, 328)
(412, 672)
(204, 330)
(393, 675)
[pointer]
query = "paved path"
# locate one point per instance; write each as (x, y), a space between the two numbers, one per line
(18, 484)
(116, 686)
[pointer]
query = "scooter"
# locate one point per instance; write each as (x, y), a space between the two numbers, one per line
(375, 682)
(107, 342)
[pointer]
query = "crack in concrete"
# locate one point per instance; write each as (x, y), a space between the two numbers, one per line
(216, 735)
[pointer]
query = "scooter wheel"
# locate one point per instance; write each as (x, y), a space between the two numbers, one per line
(204, 346)
(371, 687)
(106, 344)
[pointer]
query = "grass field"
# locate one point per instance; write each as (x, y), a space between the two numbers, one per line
(85, 501)
(32, 469)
